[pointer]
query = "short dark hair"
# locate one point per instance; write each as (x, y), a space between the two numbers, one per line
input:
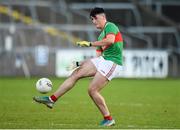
(95, 11)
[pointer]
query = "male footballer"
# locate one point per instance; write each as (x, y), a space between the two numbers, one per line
(103, 68)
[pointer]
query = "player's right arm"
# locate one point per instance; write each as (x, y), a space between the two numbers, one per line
(98, 54)
(98, 51)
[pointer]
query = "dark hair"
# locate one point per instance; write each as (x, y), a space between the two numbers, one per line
(96, 11)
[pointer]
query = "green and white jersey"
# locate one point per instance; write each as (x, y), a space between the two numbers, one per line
(111, 52)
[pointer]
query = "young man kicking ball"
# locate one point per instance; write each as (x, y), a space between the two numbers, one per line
(103, 68)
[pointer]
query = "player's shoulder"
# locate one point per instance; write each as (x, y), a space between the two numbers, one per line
(111, 25)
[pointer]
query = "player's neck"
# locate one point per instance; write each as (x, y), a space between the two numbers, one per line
(103, 24)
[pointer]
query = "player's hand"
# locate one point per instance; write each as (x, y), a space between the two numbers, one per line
(73, 65)
(83, 44)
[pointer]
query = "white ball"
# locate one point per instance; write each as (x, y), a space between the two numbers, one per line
(44, 85)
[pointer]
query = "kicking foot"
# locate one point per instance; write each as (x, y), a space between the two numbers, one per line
(44, 100)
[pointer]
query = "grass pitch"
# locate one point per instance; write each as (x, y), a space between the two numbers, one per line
(148, 103)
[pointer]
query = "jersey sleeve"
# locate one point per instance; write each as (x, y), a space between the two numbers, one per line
(111, 29)
(99, 49)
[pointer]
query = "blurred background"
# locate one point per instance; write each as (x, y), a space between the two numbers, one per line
(37, 36)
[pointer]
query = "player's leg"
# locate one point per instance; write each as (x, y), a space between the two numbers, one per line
(99, 81)
(85, 70)
(95, 86)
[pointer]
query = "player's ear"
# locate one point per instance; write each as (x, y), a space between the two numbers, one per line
(104, 16)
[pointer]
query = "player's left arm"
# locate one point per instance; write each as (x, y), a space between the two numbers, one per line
(106, 41)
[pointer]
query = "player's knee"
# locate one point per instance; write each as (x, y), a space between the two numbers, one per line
(76, 76)
(92, 91)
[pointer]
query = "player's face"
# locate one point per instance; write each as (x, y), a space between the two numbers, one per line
(98, 20)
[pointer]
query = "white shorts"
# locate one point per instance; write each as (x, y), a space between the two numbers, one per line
(106, 67)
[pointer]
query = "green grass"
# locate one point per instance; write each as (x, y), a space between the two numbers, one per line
(134, 103)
